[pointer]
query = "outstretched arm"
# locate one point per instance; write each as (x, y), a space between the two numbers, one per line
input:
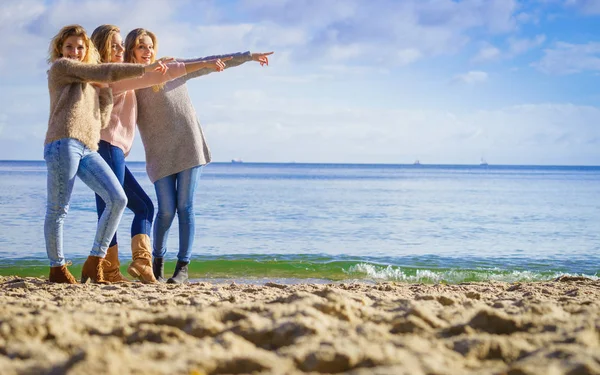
(67, 71)
(233, 59)
(217, 65)
(174, 70)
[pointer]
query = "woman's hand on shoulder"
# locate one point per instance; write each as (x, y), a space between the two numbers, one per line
(261, 57)
(159, 65)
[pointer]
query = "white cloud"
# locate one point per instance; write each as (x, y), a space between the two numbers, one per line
(415, 28)
(566, 58)
(31, 24)
(486, 53)
(343, 71)
(525, 17)
(303, 79)
(264, 128)
(18, 13)
(395, 33)
(517, 46)
(257, 124)
(345, 52)
(408, 56)
(25, 111)
(472, 77)
(15, 18)
(126, 14)
(591, 7)
(238, 36)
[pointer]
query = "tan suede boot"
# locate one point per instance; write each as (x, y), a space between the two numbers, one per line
(112, 273)
(141, 264)
(62, 275)
(93, 269)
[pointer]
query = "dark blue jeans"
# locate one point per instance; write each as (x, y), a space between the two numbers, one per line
(137, 200)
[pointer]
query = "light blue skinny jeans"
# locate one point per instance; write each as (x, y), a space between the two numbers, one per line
(175, 194)
(65, 159)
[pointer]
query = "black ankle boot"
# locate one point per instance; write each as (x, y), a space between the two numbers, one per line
(158, 268)
(180, 276)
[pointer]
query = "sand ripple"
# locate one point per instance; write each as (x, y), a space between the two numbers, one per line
(470, 328)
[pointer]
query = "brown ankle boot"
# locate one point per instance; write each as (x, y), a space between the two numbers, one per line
(93, 269)
(112, 273)
(141, 264)
(61, 274)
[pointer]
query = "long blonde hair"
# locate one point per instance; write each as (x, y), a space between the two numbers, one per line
(56, 44)
(102, 39)
(132, 40)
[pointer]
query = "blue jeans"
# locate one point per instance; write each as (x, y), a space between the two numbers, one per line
(65, 159)
(175, 193)
(137, 200)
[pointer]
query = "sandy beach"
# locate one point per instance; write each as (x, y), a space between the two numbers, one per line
(354, 328)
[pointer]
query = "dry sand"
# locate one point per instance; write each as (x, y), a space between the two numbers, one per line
(470, 328)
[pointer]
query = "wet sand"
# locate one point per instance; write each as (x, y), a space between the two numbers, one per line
(471, 328)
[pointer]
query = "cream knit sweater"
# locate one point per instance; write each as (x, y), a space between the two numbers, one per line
(77, 108)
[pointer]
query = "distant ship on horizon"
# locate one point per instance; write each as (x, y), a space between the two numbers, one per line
(417, 162)
(483, 162)
(237, 161)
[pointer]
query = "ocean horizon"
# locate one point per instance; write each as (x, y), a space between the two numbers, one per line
(416, 165)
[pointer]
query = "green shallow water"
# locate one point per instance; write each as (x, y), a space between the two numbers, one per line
(296, 269)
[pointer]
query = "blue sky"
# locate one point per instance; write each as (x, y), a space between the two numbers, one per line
(356, 81)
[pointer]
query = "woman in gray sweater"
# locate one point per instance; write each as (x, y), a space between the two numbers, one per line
(175, 148)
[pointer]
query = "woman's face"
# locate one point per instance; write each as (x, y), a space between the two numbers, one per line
(144, 51)
(116, 48)
(74, 48)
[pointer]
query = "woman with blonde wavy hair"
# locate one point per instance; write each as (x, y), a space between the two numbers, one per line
(115, 143)
(78, 110)
(175, 148)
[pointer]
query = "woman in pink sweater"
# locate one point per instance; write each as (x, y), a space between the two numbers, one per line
(115, 143)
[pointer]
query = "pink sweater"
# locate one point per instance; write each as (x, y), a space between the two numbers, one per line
(123, 118)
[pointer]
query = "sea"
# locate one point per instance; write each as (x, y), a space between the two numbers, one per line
(329, 223)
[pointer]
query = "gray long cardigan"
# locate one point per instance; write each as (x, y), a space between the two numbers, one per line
(172, 136)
